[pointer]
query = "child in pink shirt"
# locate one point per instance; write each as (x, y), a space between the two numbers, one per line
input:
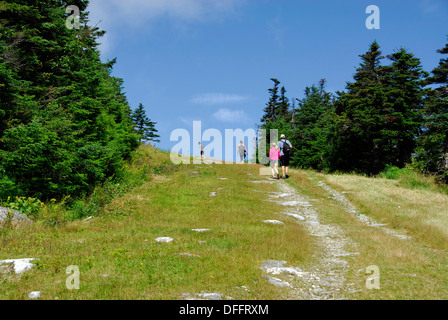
(274, 156)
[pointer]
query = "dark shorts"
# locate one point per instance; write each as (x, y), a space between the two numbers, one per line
(284, 161)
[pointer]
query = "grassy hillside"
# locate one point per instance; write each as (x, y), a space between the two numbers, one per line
(118, 256)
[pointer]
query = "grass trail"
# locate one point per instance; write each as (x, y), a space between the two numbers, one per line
(118, 257)
(409, 269)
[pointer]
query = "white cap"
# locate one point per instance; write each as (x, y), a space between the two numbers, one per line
(282, 136)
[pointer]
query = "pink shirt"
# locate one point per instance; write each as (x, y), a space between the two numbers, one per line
(274, 154)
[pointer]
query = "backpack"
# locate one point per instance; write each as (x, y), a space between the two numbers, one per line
(286, 147)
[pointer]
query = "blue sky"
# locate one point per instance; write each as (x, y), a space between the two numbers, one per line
(212, 60)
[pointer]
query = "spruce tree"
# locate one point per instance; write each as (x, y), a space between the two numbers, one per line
(312, 121)
(404, 83)
(432, 150)
(357, 137)
(271, 109)
(378, 117)
(144, 127)
(283, 108)
(64, 120)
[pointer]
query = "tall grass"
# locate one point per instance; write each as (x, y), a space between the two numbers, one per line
(412, 179)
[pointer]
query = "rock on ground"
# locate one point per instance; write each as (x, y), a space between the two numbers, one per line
(34, 295)
(19, 265)
(164, 239)
(16, 217)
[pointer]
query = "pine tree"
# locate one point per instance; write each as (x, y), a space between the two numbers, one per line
(378, 117)
(271, 109)
(144, 127)
(404, 82)
(356, 137)
(283, 108)
(432, 150)
(64, 120)
(312, 121)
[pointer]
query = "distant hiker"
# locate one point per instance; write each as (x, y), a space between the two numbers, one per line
(242, 151)
(274, 156)
(285, 149)
(201, 149)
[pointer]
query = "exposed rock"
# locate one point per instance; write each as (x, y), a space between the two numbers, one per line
(278, 267)
(18, 265)
(34, 295)
(164, 239)
(205, 296)
(277, 282)
(273, 222)
(16, 218)
(200, 230)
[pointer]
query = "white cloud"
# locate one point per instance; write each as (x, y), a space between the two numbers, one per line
(139, 12)
(227, 115)
(218, 98)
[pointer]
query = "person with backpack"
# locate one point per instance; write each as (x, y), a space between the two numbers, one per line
(285, 151)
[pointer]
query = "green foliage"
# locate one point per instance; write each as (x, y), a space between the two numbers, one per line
(410, 178)
(144, 127)
(27, 206)
(386, 118)
(65, 124)
(312, 123)
(432, 144)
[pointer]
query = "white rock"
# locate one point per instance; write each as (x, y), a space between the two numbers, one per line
(212, 194)
(278, 282)
(20, 265)
(294, 203)
(296, 216)
(211, 296)
(273, 222)
(34, 295)
(200, 230)
(164, 239)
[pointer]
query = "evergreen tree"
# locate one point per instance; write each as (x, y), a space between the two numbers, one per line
(356, 137)
(432, 150)
(64, 120)
(271, 109)
(312, 121)
(404, 82)
(144, 127)
(378, 117)
(283, 108)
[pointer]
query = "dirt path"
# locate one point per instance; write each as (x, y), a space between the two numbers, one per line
(325, 279)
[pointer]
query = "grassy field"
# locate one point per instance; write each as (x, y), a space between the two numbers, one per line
(118, 257)
(415, 269)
